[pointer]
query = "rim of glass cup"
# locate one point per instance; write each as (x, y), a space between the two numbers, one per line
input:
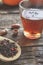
(24, 7)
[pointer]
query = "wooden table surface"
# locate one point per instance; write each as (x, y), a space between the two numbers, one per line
(6, 20)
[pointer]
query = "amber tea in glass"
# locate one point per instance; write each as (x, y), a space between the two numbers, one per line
(32, 19)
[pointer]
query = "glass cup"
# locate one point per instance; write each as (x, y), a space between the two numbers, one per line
(32, 19)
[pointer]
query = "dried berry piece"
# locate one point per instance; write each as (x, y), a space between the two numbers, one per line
(15, 26)
(3, 32)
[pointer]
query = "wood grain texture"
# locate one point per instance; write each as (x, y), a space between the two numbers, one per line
(4, 9)
(27, 57)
